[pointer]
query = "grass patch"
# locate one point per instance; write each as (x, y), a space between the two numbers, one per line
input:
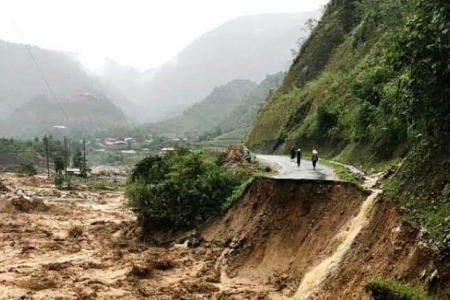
(421, 188)
(392, 290)
(104, 185)
(237, 193)
(342, 172)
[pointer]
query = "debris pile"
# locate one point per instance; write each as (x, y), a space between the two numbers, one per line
(237, 154)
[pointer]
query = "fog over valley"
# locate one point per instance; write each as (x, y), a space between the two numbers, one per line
(147, 62)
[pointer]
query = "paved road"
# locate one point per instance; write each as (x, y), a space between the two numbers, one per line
(289, 170)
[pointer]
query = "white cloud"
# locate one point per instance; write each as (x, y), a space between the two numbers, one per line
(140, 33)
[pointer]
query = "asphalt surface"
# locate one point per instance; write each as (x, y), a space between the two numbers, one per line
(289, 170)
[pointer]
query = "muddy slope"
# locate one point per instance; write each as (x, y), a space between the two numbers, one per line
(281, 232)
(388, 248)
(280, 228)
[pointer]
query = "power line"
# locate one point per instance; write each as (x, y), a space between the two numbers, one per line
(38, 68)
(6, 103)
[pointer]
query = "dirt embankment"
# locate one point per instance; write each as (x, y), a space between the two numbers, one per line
(279, 228)
(388, 248)
(319, 240)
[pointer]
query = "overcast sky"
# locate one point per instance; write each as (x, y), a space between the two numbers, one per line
(139, 33)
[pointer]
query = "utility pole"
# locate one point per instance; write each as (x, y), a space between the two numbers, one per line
(46, 152)
(65, 154)
(84, 159)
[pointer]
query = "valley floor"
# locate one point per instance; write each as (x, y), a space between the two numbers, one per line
(81, 245)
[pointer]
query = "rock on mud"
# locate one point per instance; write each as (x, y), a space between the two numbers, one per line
(4, 188)
(141, 272)
(24, 205)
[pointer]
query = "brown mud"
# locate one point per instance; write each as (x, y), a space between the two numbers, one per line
(321, 239)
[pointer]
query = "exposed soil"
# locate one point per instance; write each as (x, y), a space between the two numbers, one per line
(82, 245)
(281, 228)
(281, 237)
(321, 240)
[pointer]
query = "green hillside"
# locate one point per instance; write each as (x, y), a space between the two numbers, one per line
(205, 115)
(339, 93)
(79, 113)
(244, 114)
(370, 85)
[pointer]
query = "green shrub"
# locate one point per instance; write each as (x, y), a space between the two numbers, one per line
(59, 180)
(387, 289)
(178, 191)
(236, 194)
(325, 124)
(28, 169)
(365, 120)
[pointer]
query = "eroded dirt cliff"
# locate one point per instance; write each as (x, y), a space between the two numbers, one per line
(321, 240)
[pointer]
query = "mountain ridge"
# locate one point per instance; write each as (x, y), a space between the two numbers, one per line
(248, 47)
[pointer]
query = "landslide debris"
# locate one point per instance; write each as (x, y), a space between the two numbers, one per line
(237, 154)
(81, 249)
(280, 228)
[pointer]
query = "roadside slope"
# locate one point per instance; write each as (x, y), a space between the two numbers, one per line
(311, 239)
(284, 227)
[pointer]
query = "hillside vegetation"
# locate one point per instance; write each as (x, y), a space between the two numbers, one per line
(244, 114)
(29, 94)
(225, 116)
(339, 92)
(205, 115)
(370, 85)
(82, 113)
(22, 81)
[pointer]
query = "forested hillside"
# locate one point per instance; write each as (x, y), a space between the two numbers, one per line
(371, 85)
(29, 94)
(21, 80)
(205, 115)
(81, 113)
(341, 93)
(243, 116)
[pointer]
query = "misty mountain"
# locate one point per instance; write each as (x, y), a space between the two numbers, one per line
(124, 85)
(21, 81)
(204, 116)
(244, 114)
(79, 113)
(248, 47)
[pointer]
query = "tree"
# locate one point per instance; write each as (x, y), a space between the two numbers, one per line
(423, 49)
(59, 165)
(59, 168)
(77, 160)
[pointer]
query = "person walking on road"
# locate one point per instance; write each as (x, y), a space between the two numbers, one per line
(314, 158)
(299, 156)
(292, 153)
